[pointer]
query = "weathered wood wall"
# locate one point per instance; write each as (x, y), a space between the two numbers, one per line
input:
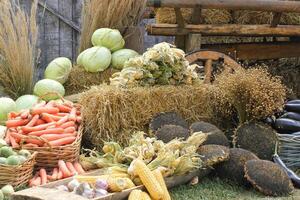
(56, 38)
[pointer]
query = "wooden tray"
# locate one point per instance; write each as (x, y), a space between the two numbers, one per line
(47, 192)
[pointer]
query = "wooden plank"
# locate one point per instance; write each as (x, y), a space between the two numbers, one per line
(257, 5)
(77, 5)
(224, 30)
(65, 31)
(260, 51)
(51, 36)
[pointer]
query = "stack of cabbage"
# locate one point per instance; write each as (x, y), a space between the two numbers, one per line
(107, 50)
(163, 64)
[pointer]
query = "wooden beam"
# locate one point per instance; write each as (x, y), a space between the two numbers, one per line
(224, 30)
(257, 5)
(260, 51)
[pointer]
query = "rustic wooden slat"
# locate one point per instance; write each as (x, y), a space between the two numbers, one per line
(65, 32)
(61, 17)
(257, 5)
(224, 30)
(51, 36)
(259, 51)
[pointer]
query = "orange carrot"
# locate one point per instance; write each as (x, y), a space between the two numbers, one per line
(72, 116)
(63, 141)
(43, 175)
(39, 122)
(67, 124)
(34, 141)
(51, 137)
(47, 131)
(59, 174)
(30, 145)
(54, 174)
(52, 117)
(26, 129)
(62, 120)
(62, 114)
(71, 168)
(36, 181)
(78, 168)
(63, 108)
(63, 167)
(13, 142)
(70, 130)
(41, 110)
(24, 114)
(16, 122)
(33, 121)
(17, 137)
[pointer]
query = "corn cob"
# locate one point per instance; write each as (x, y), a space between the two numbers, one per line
(135, 195)
(119, 184)
(148, 179)
(145, 196)
(160, 179)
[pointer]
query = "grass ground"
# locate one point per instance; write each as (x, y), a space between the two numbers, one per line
(216, 189)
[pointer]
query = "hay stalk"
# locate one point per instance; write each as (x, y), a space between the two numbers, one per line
(18, 39)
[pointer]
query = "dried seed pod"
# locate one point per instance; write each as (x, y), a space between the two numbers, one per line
(268, 178)
(258, 138)
(213, 154)
(233, 169)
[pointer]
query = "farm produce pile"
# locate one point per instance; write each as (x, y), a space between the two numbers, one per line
(10, 157)
(46, 124)
(107, 51)
(176, 157)
(64, 170)
(163, 64)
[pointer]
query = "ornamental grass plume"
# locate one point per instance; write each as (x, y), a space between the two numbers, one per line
(252, 94)
(18, 39)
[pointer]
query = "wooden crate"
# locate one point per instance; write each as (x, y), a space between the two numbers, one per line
(47, 192)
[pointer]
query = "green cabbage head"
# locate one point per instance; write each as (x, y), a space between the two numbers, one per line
(109, 38)
(59, 69)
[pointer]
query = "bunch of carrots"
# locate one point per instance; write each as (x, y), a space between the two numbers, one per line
(53, 123)
(64, 170)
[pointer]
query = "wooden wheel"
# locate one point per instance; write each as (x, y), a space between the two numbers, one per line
(209, 57)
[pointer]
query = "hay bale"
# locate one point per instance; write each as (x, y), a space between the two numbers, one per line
(268, 178)
(169, 118)
(233, 169)
(112, 113)
(215, 137)
(213, 154)
(258, 138)
(169, 132)
(80, 80)
(208, 16)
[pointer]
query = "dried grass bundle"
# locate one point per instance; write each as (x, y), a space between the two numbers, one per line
(80, 80)
(18, 38)
(112, 113)
(118, 14)
(251, 93)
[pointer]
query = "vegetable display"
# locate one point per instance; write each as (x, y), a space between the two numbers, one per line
(64, 170)
(48, 89)
(162, 64)
(59, 69)
(47, 124)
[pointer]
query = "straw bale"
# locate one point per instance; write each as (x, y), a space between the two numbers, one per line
(80, 80)
(112, 113)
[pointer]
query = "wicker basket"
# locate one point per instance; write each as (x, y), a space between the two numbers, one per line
(17, 175)
(48, 157)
